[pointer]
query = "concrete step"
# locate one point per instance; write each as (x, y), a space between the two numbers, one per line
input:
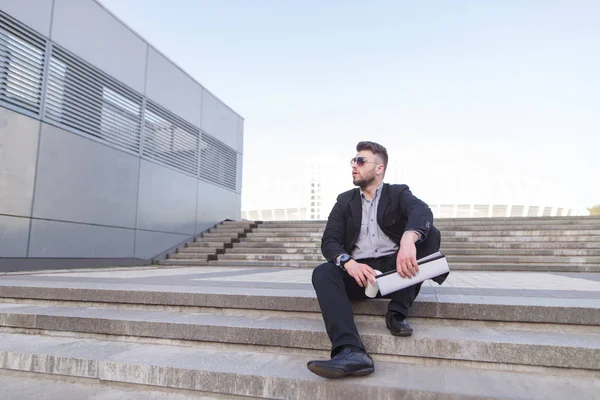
(263, 229)
(215, 235)
(467, 221)
(200, 250)
(208, 243)
(273, 250)
(239, 249)
(458, 244)
(243, 243)
(257, 233)
(17, 385)
(490, 236)
(275, 239)
(523, 259)
(524, 220)
(257, 263)
(583, 220)
(470, 224)
(249, 296)
(183, 262)
(318, 258)
(559, 253)
(240, 222)
(231, 230)
(292, 224)
(560, 346)
(519, 220)
(272, 375)
(189, 256)
(227, 224)
(513, 239)
(448, 228)
(211, 238)
(578, 233)
(517, 227)
(532, 267)
(291, 228)
(452, 258)
(518, 245)
(456, 266)
(553, 251)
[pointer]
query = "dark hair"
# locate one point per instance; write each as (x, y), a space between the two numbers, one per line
(376, 149)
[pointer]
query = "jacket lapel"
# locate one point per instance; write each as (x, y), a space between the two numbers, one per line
(384, 202)
(356, 209)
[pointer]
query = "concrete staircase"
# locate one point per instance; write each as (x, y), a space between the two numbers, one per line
(210, 244)
(248, 341)
(246, 330)
(559, 244)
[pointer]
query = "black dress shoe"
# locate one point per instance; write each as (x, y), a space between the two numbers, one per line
(397, 324)
(347, 362)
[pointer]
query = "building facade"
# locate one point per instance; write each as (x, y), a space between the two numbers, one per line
(108, 150)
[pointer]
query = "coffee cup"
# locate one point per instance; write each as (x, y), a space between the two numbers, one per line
(372, 288)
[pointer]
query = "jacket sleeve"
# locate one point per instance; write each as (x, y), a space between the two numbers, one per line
(418, 215)
(333, 237)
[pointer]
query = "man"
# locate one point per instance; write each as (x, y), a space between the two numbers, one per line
(377, 226)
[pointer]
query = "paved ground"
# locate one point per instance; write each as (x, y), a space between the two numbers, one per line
(504, 287)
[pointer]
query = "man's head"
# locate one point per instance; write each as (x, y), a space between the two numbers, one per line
(369, 165)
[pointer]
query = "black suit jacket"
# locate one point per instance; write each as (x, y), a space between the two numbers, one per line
(398, 211)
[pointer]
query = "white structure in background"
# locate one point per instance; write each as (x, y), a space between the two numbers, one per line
(277, 214)
(452, 188)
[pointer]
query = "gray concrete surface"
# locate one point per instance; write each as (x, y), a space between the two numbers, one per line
(555, 346)
(28, 386)
(272, 375)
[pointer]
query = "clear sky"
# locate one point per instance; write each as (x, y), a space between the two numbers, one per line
(509, 87)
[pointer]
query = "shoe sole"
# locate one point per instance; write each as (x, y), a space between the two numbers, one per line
(398, 333)
(337, 373)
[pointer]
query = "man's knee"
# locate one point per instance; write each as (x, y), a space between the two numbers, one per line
(323, 273)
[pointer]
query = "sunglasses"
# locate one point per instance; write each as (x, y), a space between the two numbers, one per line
(360, 161)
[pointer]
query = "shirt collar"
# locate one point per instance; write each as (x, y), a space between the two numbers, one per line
(362, 194)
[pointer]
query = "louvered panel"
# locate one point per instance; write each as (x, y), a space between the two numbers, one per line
(170, 140)
(218, 162)
(81, 97)
(22, 54)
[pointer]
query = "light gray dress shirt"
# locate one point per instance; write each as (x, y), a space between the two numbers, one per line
(372, 241)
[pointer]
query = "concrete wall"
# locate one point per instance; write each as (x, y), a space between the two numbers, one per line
(66, 193)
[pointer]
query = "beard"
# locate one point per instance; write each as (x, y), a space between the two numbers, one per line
(363, 182)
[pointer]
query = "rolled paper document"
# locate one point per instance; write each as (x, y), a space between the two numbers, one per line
(429, 267)
(372, 288)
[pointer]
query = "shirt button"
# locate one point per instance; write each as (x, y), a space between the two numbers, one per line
(375, 250)
(373, 234)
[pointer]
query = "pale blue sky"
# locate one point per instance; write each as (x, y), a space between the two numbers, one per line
(510, 85)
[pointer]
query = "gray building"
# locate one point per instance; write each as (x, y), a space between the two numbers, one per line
(109, 152)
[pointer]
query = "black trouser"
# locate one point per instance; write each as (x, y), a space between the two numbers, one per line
(335, 290)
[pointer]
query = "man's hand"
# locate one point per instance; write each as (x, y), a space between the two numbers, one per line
(360, 272)
(406, 262)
